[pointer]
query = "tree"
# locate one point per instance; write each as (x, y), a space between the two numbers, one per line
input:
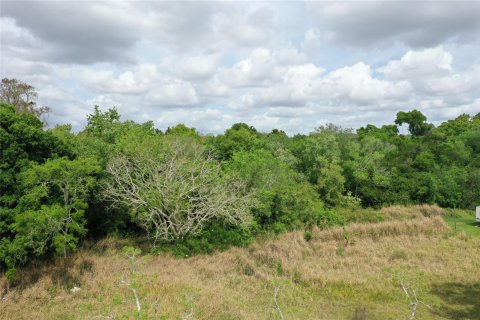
(417, 125)
(23, 143)
(284, 200)
(331, 183)
(22, 96)
(102, 124)
(58, 191)
(182, 130)
(50, 211)
(173, 188)
(239, 137)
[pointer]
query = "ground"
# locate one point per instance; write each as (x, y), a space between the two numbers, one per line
(341, 273)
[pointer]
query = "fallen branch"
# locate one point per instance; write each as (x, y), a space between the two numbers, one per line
(413, 302)
(275, 297)
(108, 316)
(137, 300)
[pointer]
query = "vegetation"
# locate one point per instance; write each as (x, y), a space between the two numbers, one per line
(323, 278)
(186, 193)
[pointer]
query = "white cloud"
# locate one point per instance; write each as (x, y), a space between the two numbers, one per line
(207, 121)
(429, 62)
(197, 67)
(172, 93)
(431, 73)
(211, 64)
(355, 84)
(129, 82)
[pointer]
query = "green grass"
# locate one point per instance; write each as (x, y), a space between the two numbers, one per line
(463, 221)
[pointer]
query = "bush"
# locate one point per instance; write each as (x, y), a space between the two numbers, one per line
(307, 235)
(399, 255)
(216, 236)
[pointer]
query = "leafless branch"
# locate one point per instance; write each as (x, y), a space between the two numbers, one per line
(101, 316)
(413, 301)
(176, 193)
(277, 306)
(137, 300)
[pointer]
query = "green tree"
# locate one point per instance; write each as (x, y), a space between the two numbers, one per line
(417, 122)
(23, 143)
(240, 137)
(58, 193)
(102, 124)
(284, 200)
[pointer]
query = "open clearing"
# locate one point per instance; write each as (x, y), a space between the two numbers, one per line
(464, 223)
(352, 273)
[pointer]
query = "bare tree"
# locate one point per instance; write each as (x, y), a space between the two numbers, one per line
(22, 96)
(175, 189)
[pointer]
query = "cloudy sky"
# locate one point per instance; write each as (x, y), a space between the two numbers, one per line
(287, 65)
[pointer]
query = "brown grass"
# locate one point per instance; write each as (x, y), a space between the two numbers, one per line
(389, 228)
(319, 279)
(412, 212)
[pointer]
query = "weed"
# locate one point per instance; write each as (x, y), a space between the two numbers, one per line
(399, 255)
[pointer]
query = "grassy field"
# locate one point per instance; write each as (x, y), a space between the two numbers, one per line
(463, 221)
(354, 272)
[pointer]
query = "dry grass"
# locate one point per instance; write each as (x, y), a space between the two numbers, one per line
(389, 228)
(412, 212)
(325, 278)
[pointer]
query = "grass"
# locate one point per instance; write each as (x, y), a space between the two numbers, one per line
(326, 277)
(463, 221)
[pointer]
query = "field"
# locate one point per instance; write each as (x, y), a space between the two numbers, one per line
(354, 272)
(463, 221)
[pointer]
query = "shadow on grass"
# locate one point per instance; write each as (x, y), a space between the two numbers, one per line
(459, 300)
(472, 223)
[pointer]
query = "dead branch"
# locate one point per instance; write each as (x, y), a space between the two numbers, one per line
(101, 316)
(176, 191)
(413, 302)
(277, 306)
(137, 300)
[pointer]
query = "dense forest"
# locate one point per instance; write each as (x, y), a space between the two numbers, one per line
(188, 191)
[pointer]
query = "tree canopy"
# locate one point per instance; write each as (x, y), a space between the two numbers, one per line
(180, 187)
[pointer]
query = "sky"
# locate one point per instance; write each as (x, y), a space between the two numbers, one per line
(288, 65)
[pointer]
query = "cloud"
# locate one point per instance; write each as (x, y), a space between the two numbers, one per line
(431, 73)
(129, 82)
(85, 32)
(171, 93)
(417, 24)
(211, 64)
(145, 84)
(196, 67)
(261, 68)
(206, 121)
(431, 62)
(78, 32)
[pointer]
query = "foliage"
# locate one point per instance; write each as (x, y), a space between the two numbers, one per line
(22, 96)
(215, 236)
(194, 193)
(417, 125)
(50, 213)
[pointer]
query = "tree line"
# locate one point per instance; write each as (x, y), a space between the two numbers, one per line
(191, 192)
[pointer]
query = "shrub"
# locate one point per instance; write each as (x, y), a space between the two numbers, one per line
(215, 236)
(399, 255)
(307, 235)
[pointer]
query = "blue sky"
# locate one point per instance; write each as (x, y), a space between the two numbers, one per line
(289, 65)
